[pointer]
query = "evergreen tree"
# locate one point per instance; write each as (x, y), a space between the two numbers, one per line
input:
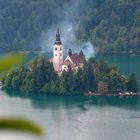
(62, 87)
(40, 76)
(132, 83)
(89, 78)
(102, 87)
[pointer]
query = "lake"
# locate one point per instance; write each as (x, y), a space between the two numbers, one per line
(77, 117)
(125, 63)
(74, 117)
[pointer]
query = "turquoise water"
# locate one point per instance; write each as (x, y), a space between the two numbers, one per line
(74, 117)
(125, 63)
(77, 117)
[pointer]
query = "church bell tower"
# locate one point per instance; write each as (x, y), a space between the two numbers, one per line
(58, 53)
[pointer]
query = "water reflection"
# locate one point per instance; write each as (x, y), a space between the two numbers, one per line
(76, 117)
(125, 63)
(43, 101)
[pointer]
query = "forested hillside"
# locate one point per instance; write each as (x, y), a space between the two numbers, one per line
(111, 25)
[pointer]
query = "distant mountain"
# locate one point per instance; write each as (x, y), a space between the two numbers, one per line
(111, 25)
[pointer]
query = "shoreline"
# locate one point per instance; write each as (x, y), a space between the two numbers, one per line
(98, 52)
(89, 94)
(127, 94)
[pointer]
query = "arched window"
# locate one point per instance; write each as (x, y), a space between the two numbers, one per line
(60, 48)
(55, 54)
(55, 49)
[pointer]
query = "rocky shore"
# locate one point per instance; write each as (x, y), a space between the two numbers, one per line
(113, 94)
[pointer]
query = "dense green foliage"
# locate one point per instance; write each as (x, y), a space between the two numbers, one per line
(39, 72)
(132, 83)
(118, 26)
(112, 25)
(40, 76)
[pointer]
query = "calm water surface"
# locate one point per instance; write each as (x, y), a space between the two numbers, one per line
(78, 118)
(74, 118)
(125, 63)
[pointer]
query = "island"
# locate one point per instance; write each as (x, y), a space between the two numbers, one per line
(74, 75)
(95, 77)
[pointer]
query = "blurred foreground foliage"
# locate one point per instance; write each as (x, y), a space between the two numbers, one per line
(17, 124)
(22, 125)
(10, 60)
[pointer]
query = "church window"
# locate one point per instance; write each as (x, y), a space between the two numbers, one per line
(55, 54)
(60, 48)
(56, 49)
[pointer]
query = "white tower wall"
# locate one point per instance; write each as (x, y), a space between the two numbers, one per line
(58, 57)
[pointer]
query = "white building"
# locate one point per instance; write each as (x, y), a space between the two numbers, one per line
(74, 61)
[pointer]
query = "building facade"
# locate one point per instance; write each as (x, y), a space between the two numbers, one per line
(58, 55)
(73, 61)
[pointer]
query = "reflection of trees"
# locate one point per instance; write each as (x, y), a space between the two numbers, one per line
(43, 101)
(124, 102)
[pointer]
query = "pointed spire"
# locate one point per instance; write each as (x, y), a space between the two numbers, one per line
(70, 52)
(57, 30)
(58, 40)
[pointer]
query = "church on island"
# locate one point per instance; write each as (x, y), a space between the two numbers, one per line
(73, 60)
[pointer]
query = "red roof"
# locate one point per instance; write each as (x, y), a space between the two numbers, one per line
(68, 63)
(76, 58)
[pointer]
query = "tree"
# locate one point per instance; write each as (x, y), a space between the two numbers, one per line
(16, 82)
(54, 87)
(46, 88)
(116, 81)
(62, 87)
(39, 76)
(34, 78)
(89, 77)
(132, 84)
(102, 87)
(81, 54)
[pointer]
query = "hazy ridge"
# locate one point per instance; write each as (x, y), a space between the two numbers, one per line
(111, 25)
